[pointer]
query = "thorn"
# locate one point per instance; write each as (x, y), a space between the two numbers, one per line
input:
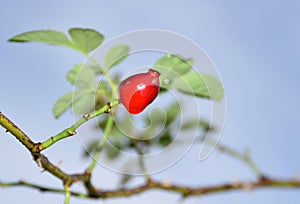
(295, 178)
(108, 108)
(263, 178)
(39, 163)
(86, 116)
(97, 188)
(248, 187)
(71, 133)
(21, 182)
(38, 147)
(58, 164)
(166, 183)
(236, 182)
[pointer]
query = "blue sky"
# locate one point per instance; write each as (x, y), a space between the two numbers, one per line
(254, 45)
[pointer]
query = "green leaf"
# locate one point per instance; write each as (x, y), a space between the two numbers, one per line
(103, 121)
(116, 55)
(62, 104)
(165, 139)
(201, 85)
(172, 66)
(83, 39)
(156, 118)
(172, 113)
(86, 39)
(200, 124)
(206, 126)
(45, 36)
(85, 78)
(91, 148)
(189, 124)
(73, 73)
(82, 76)
(102, 86)
(83, 101)
(125, 178)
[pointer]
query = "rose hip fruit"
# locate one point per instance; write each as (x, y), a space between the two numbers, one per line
(138, 91)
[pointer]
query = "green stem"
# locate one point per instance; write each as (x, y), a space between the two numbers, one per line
(109, 122)
(67, 194)
(245, 157)
(142, 162)
(72, 130)
(105, 72)
(101, 143)
(251, 164)
(41, 160)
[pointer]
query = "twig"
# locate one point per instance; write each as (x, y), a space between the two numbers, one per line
(17, 132)
(190, 191)
(244, 157)
(67, 193)
(139, 150)
(185, 191)
(72, 130)
(41, 188)
(35, 148)
(93, 192)
(44, 163)
(101, 143)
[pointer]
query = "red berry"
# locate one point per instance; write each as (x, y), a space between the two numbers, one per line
(138, 91)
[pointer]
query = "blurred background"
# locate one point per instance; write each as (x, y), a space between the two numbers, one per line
(255, 46)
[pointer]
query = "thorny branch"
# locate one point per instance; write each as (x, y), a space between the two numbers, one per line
(94, 192)
(183, 190)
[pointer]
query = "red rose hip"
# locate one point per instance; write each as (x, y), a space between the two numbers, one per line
(138, 91)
